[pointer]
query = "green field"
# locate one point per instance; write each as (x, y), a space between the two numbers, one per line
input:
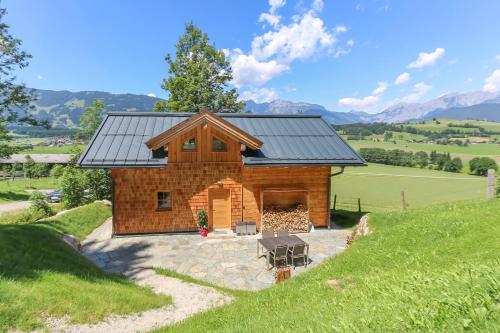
(40, 276)
(379, 187)
(431, 125)
(67, 149)
(426, 270)
(14, 190)
(465, 153)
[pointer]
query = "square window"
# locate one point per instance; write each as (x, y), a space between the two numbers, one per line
(164, 201)
(218, 144)
(189, 145)
(159, 153)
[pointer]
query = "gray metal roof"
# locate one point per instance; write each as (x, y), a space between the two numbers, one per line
(288, 140)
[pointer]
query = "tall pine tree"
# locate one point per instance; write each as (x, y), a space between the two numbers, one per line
(199, 77)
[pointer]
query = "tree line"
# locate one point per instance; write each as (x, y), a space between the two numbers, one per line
(436, 161)
(359, 131)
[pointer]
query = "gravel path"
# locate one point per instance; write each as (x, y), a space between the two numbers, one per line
(10, 207)
(188, 299)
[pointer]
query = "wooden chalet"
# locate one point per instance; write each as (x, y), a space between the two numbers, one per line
(168, 166)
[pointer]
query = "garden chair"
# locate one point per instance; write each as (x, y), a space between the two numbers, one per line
(280, 253)
(282, 233)
(296, 252)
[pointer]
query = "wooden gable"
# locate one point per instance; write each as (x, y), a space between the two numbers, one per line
(203, 119)
(204, 151)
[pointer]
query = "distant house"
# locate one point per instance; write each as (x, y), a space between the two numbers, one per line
(168, 166)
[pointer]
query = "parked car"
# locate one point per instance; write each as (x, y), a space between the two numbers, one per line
(55, 196)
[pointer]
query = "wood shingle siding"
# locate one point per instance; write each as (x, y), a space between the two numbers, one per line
(136, 193)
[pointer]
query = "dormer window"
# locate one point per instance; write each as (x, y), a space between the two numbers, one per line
(159, 153)
(218, 145)
(189, 145)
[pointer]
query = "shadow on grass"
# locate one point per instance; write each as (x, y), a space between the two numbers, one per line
(345, 219)
(13, 196)
(26, 251)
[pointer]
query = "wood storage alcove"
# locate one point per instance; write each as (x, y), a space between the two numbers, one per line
(285, 209)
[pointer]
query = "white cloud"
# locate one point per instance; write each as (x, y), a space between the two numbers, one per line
(151, 95)
(350, 43)
(273, 51)
(419, 90)
(260, 95)
(381, 88)
(497, 57)
(367, 103)
(427, 59)
(340, 29)
(492, 82)
(272, 19)
(275, 4)
(402, 78)
(317, 5)
(40, 77)
(359, 7)
(298, 40)
(469, 79)
(359, 103)
(247, 70)
(373, 103)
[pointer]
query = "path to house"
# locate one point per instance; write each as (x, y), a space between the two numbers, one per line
(229, 262)
(188, 299)
(14, 206)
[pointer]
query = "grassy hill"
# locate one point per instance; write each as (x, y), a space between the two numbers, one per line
(379, 187)
(427, 270)
(40, 276)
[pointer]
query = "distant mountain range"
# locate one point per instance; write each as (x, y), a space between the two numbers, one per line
(64, 108)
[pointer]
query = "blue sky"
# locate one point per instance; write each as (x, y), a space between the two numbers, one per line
(341, 54)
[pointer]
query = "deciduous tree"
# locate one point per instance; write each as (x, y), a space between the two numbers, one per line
(13, 96)
(29, 166)
(480, 165)
(91, 119)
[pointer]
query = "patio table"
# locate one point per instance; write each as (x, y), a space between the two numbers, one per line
(270, 244)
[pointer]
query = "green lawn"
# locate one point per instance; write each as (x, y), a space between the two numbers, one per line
(426, 270)
(41, 276)
(15, 190)
(13, 217)
(465, 153)
(81, 221)
(68, 149)
(379, 187)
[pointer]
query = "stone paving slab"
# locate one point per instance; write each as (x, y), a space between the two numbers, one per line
(228, 262)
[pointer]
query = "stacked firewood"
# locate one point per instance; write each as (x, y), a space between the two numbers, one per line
(295, 219)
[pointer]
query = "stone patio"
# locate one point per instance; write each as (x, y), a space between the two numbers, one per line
(226, 260)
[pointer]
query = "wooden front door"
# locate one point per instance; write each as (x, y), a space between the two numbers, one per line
(220, 208)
